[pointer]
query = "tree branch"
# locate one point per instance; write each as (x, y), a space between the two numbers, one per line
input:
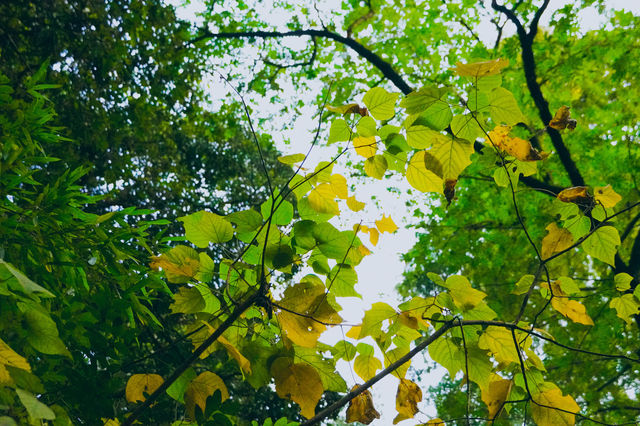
(529, 65)
(239, 310)
(375, 60)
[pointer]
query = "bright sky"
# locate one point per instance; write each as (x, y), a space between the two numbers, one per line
(379, 273)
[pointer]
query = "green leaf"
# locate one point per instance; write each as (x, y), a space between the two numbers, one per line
(19, 282)
(367, 127)
(503, 107)
(42, 332)
(623, 281)
(339, 132)
(375, 166)
(291, 159)
(626, 306)
(602, 244)
(420, 137)
(187, 300)
(464, 296)
(466, 127)
(202, 228)
(341, 281)
(453, 154)
(419, 100)
(380, 103)
(283, 213)
(36, 409)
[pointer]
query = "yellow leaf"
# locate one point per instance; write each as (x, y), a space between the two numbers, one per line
(9, 357)
(500, 342)
(361, 408)
(348, 109)
(407, 397)
(496, 394)
(243, 362)
(571, 309)
(366, 147)
(110, 422)
(305, 308)
(201, 388)
(364, 250)
(386, 224)
(291, 159)
(354, 332)
(514, 146)
(557, 239)
(562, 119)
(576, 194)
(606, 196)
(435, 422)
(300, 383)
(354, 204)
(366, 366)
(139, 384)
(420, 177)
(481, 69)
(339, 186)
(180, 264)
(464, 296)
(543, 415)
(322, 199)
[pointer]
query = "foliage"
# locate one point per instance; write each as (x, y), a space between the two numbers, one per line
(529, 270)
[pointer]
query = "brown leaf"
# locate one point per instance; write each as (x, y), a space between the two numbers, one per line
(407, 398)
(562, 119)
(450, 190)
(361, 408)
(576, 194)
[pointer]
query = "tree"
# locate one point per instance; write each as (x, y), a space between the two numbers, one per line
(473, 145)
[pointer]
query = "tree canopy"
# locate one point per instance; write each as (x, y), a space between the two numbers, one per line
(156, 254)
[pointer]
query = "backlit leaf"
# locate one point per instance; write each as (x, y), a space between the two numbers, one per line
(348, 109)
(361, 408)
(386, 224)
(366, 366)
(500, 342)
(304, 308)
(408, 396)
(556, 240)
(233, 352)
(375, 166)
(354, 204)
(365, 146)
(420, 177)
(381, 104)
(299, 383)
(202, 228)
(602, 244)
(545, 414)
(496, 394)
(339, 131)
(339, 186)
(187, 300)
(322, 199)
(606, 196)
(419, 100)
(514, 146)
(623, 281)
(201, 388)
(291, 159)
(626, 307)
(139, 384)
(503, 107)
(481, 69)
(180, 264)
(453, 155)
(464, 296)
(367, 127)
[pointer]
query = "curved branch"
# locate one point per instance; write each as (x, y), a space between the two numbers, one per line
(529, 65)
(375, 60)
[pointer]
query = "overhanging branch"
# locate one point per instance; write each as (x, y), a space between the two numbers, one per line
(375, 60)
